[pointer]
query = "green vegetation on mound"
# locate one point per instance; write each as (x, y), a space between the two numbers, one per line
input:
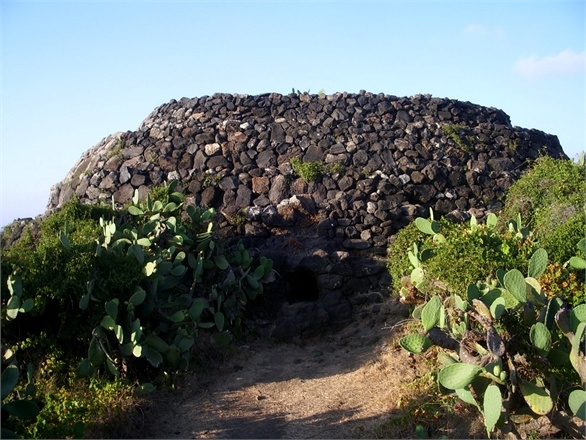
(98, 303)
(504, 303)
(551, 199)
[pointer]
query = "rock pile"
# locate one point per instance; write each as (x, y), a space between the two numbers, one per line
(381, 161)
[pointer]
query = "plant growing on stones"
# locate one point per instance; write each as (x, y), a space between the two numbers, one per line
(507, 346)
(116, 150)
(210, 179)
(458, 134)
(309, 171)
(307, 92)
(336, 168)
(237, 219)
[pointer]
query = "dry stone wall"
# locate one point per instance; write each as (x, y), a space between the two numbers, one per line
(385, 160)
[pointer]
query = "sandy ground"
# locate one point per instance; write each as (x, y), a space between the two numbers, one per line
(344, 384)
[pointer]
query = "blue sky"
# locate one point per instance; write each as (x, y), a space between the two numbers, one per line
(75, 72)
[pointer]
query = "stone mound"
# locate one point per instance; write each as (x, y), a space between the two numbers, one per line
(383, 161)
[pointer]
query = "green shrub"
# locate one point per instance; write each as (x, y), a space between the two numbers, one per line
(471, 255)
(397, 262)
(122, 295)
(82, 407)
(466, 253)
(508, 348)
(309, 171)
(560, 239)
(551, 198)
(54, 276)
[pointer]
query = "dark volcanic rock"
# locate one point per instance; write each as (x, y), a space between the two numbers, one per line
(386, 160)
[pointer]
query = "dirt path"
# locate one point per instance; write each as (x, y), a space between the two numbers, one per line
(343, 385)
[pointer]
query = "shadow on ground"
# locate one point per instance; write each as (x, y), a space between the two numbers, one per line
(345, 384)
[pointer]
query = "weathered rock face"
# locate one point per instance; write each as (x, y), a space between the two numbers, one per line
(398, 157)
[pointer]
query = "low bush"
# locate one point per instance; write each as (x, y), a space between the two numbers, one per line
(309, 171)
(551, 199)
(96, 294)
(456, 254)
(510, 345)
(398, 263)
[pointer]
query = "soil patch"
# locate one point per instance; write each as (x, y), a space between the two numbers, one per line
(345, 384)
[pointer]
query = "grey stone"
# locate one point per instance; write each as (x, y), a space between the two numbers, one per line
(83, 186)
(243, 197)
(109, 181)
(124, 194)
(137, 180)
(278, 189)
(233, 152)
(124, 175)
(266, 159)
(209, 196)
(132, 152)
(277, 133)
(355, 244)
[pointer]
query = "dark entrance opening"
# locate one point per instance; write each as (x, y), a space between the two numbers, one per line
(291, 287)
(301, 286)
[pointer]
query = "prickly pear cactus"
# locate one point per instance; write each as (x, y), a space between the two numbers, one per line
(536, 397)
(540, 338)
(579, 262)
(430, 227)
(496, 330)
(430, 315)
(458, 375)
(416, 343)
(577, 403)
(160, 322)
(492, 407)
(537, 263)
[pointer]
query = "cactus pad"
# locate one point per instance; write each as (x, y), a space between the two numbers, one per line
(493, 403)
(537, 398)
(540, 338)
(458, 375)
(533, 291)
(415, 343)
(466, 396)
(553, 306)
(497, 308)
(577, 316)
(491, 220)
(417, 276)
(537, 263)
(578, 263)
(473, 292)
(515, 283)
(430, 313)
(426, 226)
(577, 402)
